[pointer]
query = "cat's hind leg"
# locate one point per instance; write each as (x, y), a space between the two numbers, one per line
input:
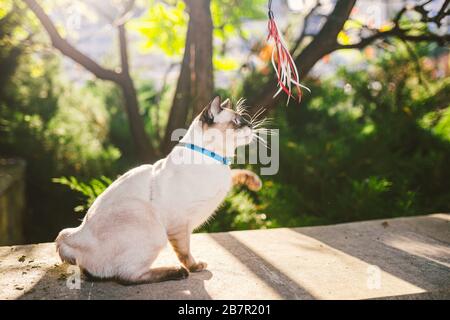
(135, 240)
(133, 276)
(155, 275)
(65, 245)
(124, 244)
(140, 272)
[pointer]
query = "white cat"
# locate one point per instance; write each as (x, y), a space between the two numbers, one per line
(132, 220)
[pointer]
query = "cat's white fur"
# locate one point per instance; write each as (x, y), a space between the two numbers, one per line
(129, 223)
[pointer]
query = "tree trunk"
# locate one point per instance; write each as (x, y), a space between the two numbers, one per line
(180, 105)
(195, 83)
(143, 147)
(201, 55)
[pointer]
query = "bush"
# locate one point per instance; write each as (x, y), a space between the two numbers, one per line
(366, 144)
(59, 130)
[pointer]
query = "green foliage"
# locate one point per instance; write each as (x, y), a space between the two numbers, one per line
(378, 148)
(228, 16)
(154, 108)
(90, 190)
(59, 129)
(239, 211)
(69, 123)
(164, 27)
(10, 38)
(367, 144)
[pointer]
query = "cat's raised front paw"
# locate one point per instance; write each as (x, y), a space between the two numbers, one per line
(254, 182)
(247, 178)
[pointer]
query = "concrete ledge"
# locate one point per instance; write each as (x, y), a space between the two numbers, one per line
(404, 258)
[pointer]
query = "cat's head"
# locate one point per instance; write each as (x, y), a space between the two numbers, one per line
(224, 127)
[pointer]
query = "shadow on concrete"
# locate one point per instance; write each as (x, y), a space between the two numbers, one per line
(435, 295)
(268, 273)
(415, 251)
(372, 246)
(56, 283)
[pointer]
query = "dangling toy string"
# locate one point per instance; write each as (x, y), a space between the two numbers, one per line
(286, 71)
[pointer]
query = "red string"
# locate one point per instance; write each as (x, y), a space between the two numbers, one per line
(287, 74)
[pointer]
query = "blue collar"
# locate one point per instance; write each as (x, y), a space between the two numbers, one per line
(206, 152)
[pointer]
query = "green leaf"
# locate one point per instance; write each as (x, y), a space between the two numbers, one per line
(224, 63)
(163, 27)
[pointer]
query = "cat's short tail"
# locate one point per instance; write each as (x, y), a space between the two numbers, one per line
(63, 246)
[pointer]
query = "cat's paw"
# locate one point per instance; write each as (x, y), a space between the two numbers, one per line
(182, 273)
(253, 182)
(199, 266)
(247, 178)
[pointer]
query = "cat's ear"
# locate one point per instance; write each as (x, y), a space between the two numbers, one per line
(211, 110)
(226, 104)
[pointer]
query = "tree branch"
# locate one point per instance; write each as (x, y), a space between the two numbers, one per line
(398, 33)
(404, 34)
(125, 69)
(306, 19)
(67, 49)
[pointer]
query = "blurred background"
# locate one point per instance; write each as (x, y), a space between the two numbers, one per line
(90, 89)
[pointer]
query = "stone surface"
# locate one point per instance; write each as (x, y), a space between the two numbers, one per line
(403, 258)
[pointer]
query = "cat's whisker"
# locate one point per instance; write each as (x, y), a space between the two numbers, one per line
(261, 140)
(265, 119)
(246, 114)
(241, 109)
(262, 125)
(258, 113)
(256, 116)
(266, 131)
(240, 106)
(264, 144)
(258, 122)
(263, 122)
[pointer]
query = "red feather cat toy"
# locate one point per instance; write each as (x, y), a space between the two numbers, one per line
(284, 65)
